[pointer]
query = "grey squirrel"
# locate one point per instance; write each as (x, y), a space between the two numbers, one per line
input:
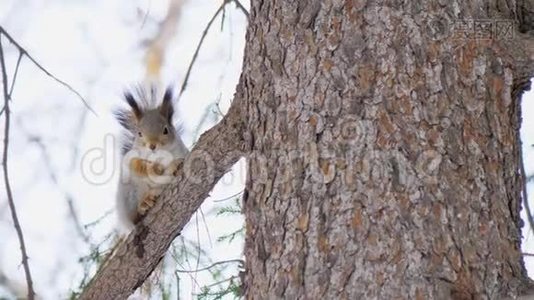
(152, 152)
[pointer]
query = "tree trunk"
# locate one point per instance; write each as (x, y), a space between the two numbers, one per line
(385, 150)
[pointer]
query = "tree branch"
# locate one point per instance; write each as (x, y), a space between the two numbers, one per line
(23, 52)
(134, 259)
(197, 50)
(241, 7)
(240, 261)
(204, 34)
(528, 212)
(7, 98)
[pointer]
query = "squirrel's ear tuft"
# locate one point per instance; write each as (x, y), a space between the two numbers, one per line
(133, 105)
(166, 109)
(126, 118)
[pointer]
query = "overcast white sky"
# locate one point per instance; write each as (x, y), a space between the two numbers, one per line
(97, 47)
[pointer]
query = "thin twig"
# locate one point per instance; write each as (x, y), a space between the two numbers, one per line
(204, 34)
(229, 197)
(527, 254)
(14, 79)
(15, 74)
(76, 220)
(31, 293)
(177, 285)
(230, 261)
(218, 106)
(197, 50)
(206, 226)
(222, 281)
(23, 51)
(198, 246)
(54, 178)
(530, 219)
(241, 7)
(174, 256)
(93, 223)
(146, 14)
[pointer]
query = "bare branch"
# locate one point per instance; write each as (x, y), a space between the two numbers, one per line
(206, 226)
(530, 219)
(204, 34)
(93, 223)
(76, 220)
(7, 97)
(241, 7)
(215, 153)
(222, 281)
(240, 261)
(177, 285)
(197, 50)
(229, 197)
(15, 75)
(145, 17)
(23, 52)
(54, 179)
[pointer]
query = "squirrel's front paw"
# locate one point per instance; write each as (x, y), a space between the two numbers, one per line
(144, 168)
(156, 169)
(147, 203)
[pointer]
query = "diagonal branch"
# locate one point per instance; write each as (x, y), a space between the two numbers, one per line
(7, 98)
(203, 36)
(214, 154)
(241, 7)
(23, 52)
(199, 45)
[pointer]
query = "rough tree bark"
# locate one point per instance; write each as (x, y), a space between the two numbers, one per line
(383, 149)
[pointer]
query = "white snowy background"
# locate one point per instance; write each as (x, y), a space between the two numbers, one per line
(98, 48)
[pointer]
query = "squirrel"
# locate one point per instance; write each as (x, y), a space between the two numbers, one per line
(152, 153)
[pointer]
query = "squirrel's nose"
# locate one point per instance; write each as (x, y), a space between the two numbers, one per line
(152, 146)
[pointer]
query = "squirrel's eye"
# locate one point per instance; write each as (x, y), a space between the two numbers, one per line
(165, 130)
(139, 133)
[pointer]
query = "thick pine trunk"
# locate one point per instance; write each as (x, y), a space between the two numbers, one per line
(385, 151)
